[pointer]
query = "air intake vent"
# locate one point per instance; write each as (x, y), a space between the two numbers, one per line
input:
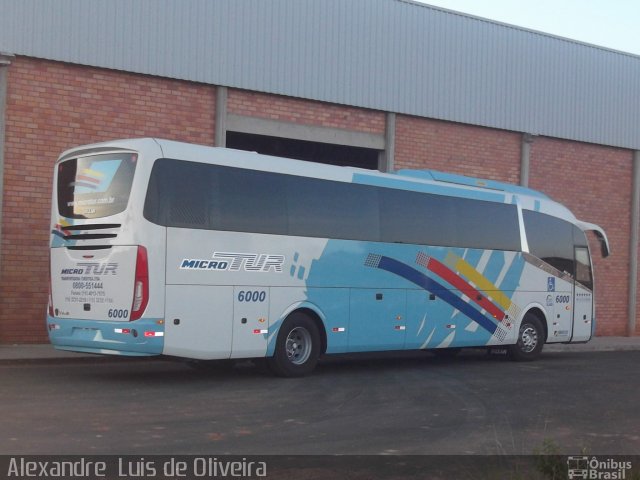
(90, 236)
(100, 231)
(100, 226)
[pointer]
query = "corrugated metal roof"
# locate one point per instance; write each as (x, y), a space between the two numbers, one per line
(391, 55)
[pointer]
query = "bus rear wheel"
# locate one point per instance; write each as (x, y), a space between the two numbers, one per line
(530, 340)
(297, 347)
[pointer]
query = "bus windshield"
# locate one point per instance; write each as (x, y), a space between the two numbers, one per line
(95, 186)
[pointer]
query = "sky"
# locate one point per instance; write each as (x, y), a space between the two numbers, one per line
(608, 23)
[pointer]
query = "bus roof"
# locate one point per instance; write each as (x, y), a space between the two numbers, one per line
(471, 181)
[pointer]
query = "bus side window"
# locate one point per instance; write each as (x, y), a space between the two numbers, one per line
(250, 201)
(188, 202)
(550, 239)
(176, 196)
(329, 209)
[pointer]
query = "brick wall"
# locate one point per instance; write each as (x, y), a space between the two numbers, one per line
(53, 106)
(457, 148)
(595, 183)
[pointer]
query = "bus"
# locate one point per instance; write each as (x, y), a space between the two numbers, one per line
(166, 248)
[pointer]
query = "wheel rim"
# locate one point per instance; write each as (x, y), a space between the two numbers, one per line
(528, 338)
(298, 345)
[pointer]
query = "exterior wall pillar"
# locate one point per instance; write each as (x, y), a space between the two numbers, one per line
(633, 245)
(221, 117)
(5, 61)
(525, 156)
(386, 162)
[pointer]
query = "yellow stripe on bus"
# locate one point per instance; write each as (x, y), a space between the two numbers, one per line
(480, 281)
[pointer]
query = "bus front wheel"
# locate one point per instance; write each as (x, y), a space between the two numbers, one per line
(530, 340)
(297, 347)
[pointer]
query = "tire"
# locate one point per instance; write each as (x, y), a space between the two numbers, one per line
(297, 347)
(530, 340)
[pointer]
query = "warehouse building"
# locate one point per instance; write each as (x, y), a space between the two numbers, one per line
(379, 84)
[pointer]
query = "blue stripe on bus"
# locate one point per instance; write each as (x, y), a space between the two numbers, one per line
(430, 285)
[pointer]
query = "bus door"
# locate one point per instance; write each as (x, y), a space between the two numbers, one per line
(561, 297)
(582, 296)
(198, 309)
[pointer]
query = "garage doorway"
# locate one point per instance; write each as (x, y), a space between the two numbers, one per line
(319, 152)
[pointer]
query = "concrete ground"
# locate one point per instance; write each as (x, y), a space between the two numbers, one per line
(46, 352)
(412, 403)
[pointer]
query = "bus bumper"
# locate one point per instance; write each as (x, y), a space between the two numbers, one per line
(142, 337)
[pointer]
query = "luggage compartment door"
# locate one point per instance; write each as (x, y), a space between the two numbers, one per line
(198, 321)
(250, 321)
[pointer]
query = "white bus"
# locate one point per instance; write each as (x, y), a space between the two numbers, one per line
(160, 247)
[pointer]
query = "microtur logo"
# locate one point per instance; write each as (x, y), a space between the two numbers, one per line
(234, 262)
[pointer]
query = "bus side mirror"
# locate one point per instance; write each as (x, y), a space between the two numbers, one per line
(604, 244)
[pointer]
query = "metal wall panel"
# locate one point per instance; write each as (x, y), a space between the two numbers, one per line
(390, 55)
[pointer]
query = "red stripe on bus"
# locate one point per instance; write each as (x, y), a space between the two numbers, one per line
(450, 276)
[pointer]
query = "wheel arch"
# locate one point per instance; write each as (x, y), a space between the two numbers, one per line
(314, 313)
(537, 311)
(299, 343)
